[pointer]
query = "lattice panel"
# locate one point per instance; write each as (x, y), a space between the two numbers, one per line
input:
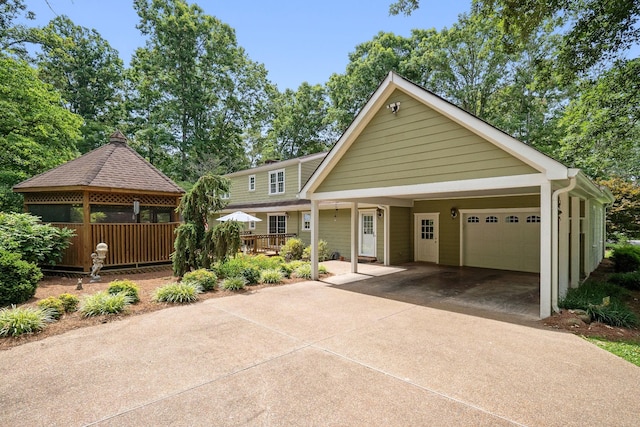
(54, 197)
(127, 199)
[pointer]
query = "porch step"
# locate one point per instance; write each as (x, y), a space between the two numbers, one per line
(367, 259)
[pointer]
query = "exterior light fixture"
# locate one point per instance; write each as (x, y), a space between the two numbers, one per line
(454, 213)
(394, 107)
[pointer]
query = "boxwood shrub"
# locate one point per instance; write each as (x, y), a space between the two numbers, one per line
(626, 258)
(127, 286)
(204, 278)
(18, 279)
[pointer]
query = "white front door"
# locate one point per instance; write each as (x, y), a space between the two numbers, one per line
(426, 238)
(367, 234)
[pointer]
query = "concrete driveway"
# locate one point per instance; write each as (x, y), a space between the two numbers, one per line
(312, 354)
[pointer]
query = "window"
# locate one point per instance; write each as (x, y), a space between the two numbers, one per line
(252, 225)
(276, 182)
(252, 183)
(473, 219)
(427, 229)
(491, 219)
(306, 221)
(225, 196)
(512, 219)
(277, 224)
(533, 218)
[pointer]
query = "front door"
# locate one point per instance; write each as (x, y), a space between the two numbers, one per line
(426, 238)
(367, 234)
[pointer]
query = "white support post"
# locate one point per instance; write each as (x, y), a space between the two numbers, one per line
(315, 228)
(545, 250)
(575, 242)
(563, 246)
(354, 237)
(586, 227)
(387, 235)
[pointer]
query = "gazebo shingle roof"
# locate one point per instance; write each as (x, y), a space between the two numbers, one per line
(115, 165)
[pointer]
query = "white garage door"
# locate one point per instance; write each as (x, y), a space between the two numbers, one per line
(502, 240)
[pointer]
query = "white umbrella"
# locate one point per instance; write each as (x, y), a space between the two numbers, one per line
(239, 216)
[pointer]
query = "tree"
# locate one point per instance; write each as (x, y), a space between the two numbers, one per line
(13, 36)
(200, 87)
(602, 124)
(36, 132)
(300, 125)
(195, 243)
(88, 73)
(623, 217)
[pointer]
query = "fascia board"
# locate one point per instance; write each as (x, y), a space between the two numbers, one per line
(436, 188)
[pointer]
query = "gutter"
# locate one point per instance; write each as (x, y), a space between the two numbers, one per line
(554, 238)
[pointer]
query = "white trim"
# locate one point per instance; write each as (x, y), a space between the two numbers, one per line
(422, 190)
(436, 231)
(545, 250)
(284, 180)
(251, 190)
(286, 220)
(354, 237)
(302, 214)
(315, 223)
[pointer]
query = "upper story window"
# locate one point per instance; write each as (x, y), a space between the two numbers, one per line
(252, 183)
(276, 182)
(225, 196)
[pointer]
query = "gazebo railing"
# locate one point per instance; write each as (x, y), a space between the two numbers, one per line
(265, 243)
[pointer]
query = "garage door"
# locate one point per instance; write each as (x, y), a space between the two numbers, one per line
(502, 240)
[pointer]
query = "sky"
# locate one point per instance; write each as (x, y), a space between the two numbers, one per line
(297, 40)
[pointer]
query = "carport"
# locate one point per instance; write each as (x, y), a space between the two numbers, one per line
(489, 293)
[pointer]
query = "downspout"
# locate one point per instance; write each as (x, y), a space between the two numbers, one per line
(554, 240)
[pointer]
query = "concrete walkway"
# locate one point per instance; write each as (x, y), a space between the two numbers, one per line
(311, 354)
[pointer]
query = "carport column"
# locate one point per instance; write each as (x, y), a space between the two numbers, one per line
(575, 242)
(354, 237)
(545, 250)
(314, 239)
(563, 246)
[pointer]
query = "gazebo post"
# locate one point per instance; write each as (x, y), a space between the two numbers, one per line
(86, 227)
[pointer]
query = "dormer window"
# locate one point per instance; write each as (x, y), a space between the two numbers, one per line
(252, 183)
(276, 182)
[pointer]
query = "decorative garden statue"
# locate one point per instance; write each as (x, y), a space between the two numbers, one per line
(98, 258)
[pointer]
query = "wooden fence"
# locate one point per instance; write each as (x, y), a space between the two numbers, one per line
(129, 244)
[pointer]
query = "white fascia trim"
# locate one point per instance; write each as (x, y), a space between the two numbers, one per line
(553, 169)
(501, 182)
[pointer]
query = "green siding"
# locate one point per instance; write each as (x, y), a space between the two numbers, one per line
(449, 232)
(400, 238)
(416, 146)
(240, 186)
(307, 169)
(335, 228)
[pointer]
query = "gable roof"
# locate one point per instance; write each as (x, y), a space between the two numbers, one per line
(278, 165)
(552, 169)
(112, 166)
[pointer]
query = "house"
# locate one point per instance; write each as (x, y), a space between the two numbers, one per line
(415, 178)
(110, 195)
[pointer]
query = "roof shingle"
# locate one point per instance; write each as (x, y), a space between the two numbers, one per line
(115, 165)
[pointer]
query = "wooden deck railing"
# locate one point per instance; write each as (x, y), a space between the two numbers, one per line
(129, 244)
(265, 243)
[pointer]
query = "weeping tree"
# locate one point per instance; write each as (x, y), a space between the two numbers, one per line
(197, 246)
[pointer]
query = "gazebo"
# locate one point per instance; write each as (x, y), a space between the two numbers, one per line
(111, 195)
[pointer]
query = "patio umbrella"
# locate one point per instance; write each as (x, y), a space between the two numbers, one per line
(239, 216)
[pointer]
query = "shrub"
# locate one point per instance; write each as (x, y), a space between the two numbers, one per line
(18, 278)
(322, 269)
(204, 278)
(54, 304)
(69, 301)
(103, 302)
(251, 275)
(233, 283)
(264, 262)
(23, 320)
(232, 267)
(629, 280)
(603, 302)
(615, 313)
(271, 276)
(179, 293)
(286, 270)
(37, 243)
(292, 249)
(303, 271)
(126, 286)
(626, 258)
(323, 251)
